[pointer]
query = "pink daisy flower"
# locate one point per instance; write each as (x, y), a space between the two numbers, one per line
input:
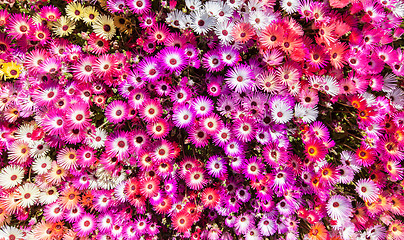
(118, 145)
(116, 111)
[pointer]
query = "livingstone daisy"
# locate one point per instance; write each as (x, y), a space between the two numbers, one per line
(117, 145)
(367, 190)
(11, 176)
(104, 27)
(172, 59)
(240, 78)
(339, 207)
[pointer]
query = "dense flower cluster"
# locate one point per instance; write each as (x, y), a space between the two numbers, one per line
(140, 119)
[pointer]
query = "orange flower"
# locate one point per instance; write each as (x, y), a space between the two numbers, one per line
(242, 32)
(318, 232)
(69, 198)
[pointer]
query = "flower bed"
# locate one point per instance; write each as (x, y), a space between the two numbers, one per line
(145, 119)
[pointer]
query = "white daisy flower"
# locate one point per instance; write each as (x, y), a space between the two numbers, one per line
(367, 190)
(28, 195)
(193, 5)
(290, 6)
(11, 176)
(396, 98)
(339, 207)
(174, 18)
(49, 195)
(38, 149)
(202, 22)
(8, 232)
(258, 19)
(331, 85)
(307, 115)
(41, 165)
(281, 112)
(223, 32)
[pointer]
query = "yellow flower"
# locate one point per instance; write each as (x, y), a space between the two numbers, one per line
(90, 14)
(63, 26)
(104, 27)
(75, 11)
(11, 70)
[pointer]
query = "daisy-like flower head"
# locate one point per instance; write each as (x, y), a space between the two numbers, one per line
(116, 6)
(183, 116)
(243, 223)
(182, 221)
(139, 6)
(240, 78)
(234, 148)
(104, 27)
(19, 25)
(85, 225)
(282, 180)
(367, 190)
(162, 151)
(85, 156)
(149, 186)
(159, 129)
(196, 179)
(151, 110)
(365, 156)
(116, 111)
(315, 150)
(63, 26)
(389, 148)
(212, 61)
(253, 168)
(55, 122)
(337, 54)
(267, 226)
(159, 33)
(210, 197)
(149, 69)
(201, 21)
(339, 207)
(78, 116)
(11, 176)
(50, 13)
(117, 145)
(318, 232)
(105, 66)
(229, 56)
(172, 59)
(202, 106)
(10, 232)
(83, 69)
(47, 94)
(216, 167)
(90, 15)
(244, 129)
(281, 109)
(74, 11)
(211, 124)
(198, 136)
(19, 152)
(39, 33)
(242, 32)
(98, 45)
(67, 158)
(319, 130)
(272, 36)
